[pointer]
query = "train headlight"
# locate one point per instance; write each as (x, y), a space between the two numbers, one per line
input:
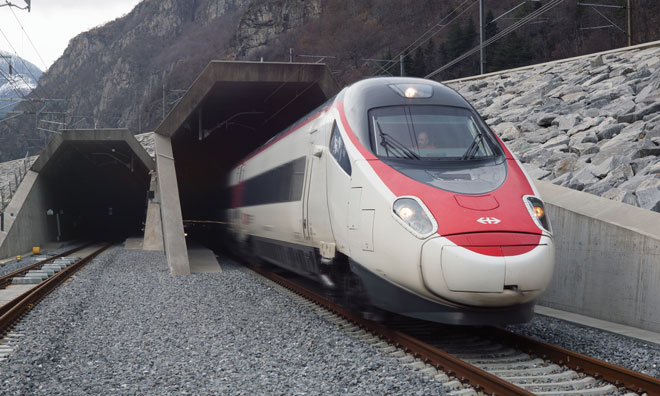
(413, 90)
(537, 211)
(412, 213)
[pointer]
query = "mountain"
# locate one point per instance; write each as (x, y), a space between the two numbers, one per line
(18, 78)
(119, 74)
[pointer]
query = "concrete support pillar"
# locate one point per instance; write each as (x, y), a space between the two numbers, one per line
(170, 208)
(153, 226)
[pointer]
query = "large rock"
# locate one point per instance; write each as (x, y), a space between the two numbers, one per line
(542, 135)
(545, 119)
(609, 131)
(582, 149)
(648, 194)
(608, 165)
(567, 121)
(619, 195)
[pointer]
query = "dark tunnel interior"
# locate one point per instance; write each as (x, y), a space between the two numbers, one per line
(97, 190)
(236, 118)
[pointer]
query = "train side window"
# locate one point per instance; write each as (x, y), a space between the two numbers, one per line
(338, 150)
(280, 184)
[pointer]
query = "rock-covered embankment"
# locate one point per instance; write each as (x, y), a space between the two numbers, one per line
(11, 174)
(591, 124)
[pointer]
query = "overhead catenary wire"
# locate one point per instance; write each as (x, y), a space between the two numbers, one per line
(11, 82)
(19, 58)
(504, 32)
(30, 40)
(423, 39)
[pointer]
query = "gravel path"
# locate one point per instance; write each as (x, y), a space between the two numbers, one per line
(124, 325)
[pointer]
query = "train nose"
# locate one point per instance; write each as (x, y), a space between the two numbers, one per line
(498, 267)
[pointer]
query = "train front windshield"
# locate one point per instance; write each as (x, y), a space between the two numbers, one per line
(445, 147)
(429, 132)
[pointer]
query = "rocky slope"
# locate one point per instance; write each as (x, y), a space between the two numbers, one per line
(18, 78)
(118, 75)
(591, 124)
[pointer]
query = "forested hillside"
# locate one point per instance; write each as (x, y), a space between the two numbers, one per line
(130, 71)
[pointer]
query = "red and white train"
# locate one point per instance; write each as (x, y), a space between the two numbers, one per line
(398, 195)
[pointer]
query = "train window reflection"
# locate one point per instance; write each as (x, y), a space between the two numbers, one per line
(429, 132)
(338, 150)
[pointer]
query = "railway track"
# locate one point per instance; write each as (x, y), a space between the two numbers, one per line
(23, 295)
(491, 360)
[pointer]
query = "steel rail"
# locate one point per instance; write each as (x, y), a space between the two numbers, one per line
(479, 379)
(27, 300)
(617, 375)
(6, 279)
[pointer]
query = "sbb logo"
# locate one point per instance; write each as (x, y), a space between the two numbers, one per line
(488, 220)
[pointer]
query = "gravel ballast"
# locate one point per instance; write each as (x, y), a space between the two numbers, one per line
(636, 355)
(124, 325)
(12, 264)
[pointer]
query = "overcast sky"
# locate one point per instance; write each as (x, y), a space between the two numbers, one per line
(52, 23)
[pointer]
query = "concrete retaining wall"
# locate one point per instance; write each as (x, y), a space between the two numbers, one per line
(608, 258)
(26, 223)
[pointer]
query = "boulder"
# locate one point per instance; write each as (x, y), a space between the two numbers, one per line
(648, 194)
(595, 80)
(619, 195)
(608, 165)
(583, 137)
(574, 97)
(650, 109)
(535, 172)
(581, 179)
(507, 131)
(645, 165)
(545, 119)
(632, 184)
(609, 131)
(521, 146)
(563, 180)
(582, 149)
(568, 121)
(564, 166)
(587, 123)
(542, 135)
(619, 107)
(560, 140)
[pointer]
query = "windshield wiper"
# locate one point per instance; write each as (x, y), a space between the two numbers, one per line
(388, 142)
(474, 147)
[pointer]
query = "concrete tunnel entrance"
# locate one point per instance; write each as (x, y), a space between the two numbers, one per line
(85, 185)
(97, 190)
(230, 110)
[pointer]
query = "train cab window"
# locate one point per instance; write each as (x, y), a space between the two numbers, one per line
(338, 150)
(429, 133)
(444, 147)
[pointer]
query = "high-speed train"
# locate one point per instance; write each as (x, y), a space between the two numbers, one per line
(396, 194)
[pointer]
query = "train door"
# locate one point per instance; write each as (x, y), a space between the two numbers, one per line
(316, 224)
(307, 233)
(338, 189)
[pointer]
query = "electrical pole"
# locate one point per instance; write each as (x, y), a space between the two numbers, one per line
(629, 24)
(401, 65)
(481, 35)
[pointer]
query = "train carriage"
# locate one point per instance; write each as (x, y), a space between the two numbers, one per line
(396, 194)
